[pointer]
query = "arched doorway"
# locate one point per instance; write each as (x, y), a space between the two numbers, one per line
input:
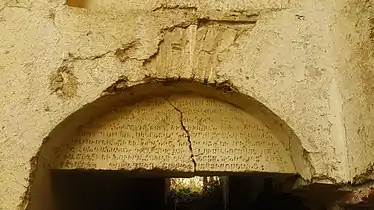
(178, 129)
(115, 190)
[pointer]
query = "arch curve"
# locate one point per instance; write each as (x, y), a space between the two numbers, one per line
(41, 189)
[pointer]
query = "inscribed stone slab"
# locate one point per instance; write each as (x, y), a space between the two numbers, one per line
(183, 133)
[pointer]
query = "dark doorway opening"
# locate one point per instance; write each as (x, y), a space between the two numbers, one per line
(117, 190)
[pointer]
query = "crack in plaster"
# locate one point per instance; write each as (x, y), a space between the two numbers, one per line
(118, 52)
(187, 133)
(174, 7)
(204, 21)
(122, 52)
(16, 4)
(72, 58)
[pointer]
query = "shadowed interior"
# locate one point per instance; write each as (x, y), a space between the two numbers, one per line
(115, 190)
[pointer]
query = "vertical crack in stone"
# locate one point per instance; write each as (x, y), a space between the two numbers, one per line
(187, 133)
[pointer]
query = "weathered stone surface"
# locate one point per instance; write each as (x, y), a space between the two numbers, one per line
(310, 62)
(356, 85)
(181, 134)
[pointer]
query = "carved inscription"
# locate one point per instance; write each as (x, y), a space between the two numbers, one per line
(150, 135)
(225, 138)
(147, 135)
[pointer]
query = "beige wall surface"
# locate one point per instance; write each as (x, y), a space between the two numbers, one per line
(354, 45)
(310, 62)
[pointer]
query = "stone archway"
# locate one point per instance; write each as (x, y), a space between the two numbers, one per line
(178, 126)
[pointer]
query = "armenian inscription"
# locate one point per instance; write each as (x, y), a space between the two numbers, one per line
(182, 133)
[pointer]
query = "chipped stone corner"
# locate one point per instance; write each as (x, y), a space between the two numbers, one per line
(225, 86)
(63, 82)
(119, 85)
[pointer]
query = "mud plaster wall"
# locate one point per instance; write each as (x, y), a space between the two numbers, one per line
(54, 59)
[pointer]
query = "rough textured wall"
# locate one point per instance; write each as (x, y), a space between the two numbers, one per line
(353, 29)
(54, 59)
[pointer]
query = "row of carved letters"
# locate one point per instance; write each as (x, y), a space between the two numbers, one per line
(177, 166)
(158, 157)
(118, 128)
(171, 150)
(95, 144)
